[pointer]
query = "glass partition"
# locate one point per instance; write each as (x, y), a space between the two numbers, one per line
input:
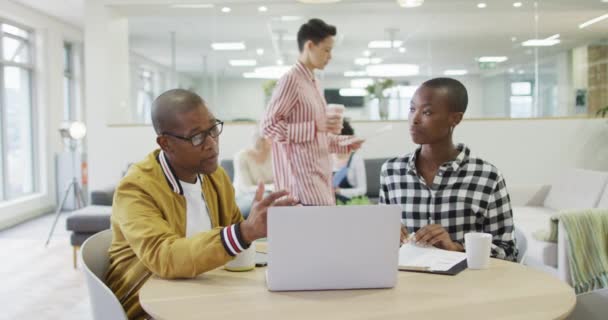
(518, 59)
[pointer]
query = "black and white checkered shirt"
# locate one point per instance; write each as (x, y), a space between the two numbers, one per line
(467, 194)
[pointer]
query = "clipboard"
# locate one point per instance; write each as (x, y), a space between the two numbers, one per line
(456, 269)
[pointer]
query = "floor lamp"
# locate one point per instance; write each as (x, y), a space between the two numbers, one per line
(73, 133)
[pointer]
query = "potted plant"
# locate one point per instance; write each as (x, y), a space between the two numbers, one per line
(602, 112)
(376, 91)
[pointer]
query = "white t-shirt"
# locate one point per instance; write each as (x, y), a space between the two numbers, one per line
(197, 217)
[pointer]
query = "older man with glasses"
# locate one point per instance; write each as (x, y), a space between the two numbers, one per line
(174, 213)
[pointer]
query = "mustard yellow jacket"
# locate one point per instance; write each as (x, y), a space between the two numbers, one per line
(149, 227)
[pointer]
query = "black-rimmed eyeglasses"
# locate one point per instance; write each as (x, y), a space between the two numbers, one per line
(199, 138)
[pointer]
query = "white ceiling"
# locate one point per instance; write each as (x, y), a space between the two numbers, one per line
(70, 11)
(441, 34)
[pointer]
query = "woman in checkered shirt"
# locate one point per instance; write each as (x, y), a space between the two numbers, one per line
(444, 192)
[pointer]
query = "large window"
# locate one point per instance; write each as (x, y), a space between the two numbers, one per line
(17, 161)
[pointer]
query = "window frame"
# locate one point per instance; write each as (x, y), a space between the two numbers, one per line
(34, 119)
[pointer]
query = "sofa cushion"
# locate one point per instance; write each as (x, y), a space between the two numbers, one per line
(576, 189)
(78, 238)
(529, 220)
(102, 197)
(603, 203)
(89, 219)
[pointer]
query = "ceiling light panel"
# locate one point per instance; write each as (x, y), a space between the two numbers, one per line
(223, 46)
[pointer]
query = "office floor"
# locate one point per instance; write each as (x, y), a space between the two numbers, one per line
(38, 282)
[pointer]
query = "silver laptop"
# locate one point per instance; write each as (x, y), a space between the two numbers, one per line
(325, 248)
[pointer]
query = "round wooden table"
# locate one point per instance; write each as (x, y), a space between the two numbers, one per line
(504, 291)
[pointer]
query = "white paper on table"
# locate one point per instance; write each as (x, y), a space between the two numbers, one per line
(412, 256)
(375, 134)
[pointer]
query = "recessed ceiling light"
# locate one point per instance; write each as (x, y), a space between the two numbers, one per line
(517, 4)
(540, 42)
(280, 62)
(366, 61)
(226, 9)
(228, 46)
(290, 18)
(355, 73)
(269, 72)
(367, 53)
(592, 21)
(513, 39)
(511, 70)
(455, 72)
(243, 63)
(410, 3)
(384, 44)
(493, 59)
(402, 50)
(521, 71)
(262, 9)
(192, 6)
(317, 1)
(549, 41)
(286, 37)
(259, 51)
(393, 70)
(353, 92)
(481, 5)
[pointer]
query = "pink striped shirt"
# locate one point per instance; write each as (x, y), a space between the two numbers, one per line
(300, 154)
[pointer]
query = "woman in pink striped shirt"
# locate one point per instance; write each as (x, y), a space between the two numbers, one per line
(297, 122)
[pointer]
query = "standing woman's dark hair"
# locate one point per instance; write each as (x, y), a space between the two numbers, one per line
(314, 30)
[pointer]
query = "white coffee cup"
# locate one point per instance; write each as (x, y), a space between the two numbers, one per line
(336, 109)
(478, 247)
(243, 261)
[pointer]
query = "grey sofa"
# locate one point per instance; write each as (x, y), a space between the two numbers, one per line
(89, 220)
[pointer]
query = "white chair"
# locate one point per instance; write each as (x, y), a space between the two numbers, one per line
(94, 254)
(591, 306)
(522, 245)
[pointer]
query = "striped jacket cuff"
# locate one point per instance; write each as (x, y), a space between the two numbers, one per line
(232, 240)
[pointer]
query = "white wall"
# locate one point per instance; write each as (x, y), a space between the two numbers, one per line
(238, 98)
(526, 151)
(50, 34)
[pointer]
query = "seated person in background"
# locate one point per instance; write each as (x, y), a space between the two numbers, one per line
(443, 190)
(252, 166)
(174, 213)
(349, 178)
